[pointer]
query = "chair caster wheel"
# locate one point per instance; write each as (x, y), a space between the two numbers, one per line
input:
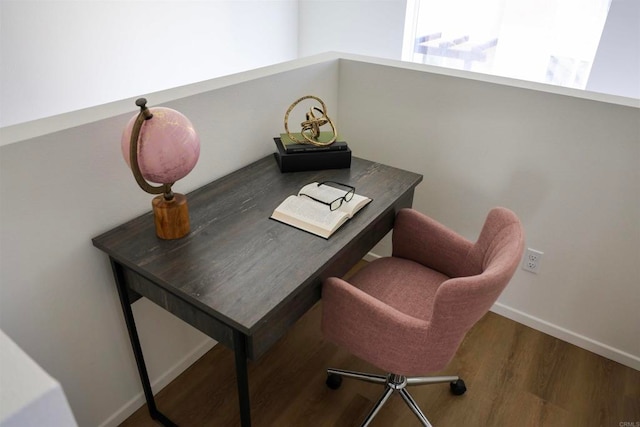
(334, 381)
(457, 387)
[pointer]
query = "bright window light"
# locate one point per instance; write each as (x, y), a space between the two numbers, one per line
(548, 41)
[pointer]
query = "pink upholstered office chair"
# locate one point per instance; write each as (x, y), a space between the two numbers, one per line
(408, 313)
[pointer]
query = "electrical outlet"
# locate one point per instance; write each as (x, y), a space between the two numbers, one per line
(532, 259)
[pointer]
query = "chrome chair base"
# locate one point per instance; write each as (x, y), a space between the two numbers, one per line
(394, 383)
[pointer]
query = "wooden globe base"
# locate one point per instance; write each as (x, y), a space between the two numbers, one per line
(171, 216)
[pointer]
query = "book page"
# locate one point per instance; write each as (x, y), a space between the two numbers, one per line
(317, 218)
(354, 205)
(307, 211)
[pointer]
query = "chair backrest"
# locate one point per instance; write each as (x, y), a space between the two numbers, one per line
(461, 301)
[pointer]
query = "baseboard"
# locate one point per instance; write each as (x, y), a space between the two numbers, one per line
(566, 335)
(559, 332)
(159, 383)
(370, 256)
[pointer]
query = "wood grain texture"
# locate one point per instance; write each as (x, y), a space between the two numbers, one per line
(243, 270)
(516, 376)
(171, 216)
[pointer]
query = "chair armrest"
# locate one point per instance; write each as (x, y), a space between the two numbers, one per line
(366, 326)
(424, 240)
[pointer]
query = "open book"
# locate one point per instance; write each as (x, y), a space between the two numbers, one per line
(305, 213)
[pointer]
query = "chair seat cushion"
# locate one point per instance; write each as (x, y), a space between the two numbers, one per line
(405, 285)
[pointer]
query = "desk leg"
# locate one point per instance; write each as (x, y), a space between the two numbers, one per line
(135, 345)
(242, 377)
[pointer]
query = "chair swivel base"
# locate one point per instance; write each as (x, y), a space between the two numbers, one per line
(395, 383)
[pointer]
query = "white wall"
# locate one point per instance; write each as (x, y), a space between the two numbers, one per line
(57, 191)
(616, 68)
(60, 56)
(565, 161)
(366, 27)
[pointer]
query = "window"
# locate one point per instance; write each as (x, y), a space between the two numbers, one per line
(548, 41)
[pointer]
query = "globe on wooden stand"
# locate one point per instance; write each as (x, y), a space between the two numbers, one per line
(160, 145)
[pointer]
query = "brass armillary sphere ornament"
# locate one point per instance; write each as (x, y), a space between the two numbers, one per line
(311, 126)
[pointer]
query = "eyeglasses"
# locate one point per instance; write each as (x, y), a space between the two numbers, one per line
(337, 202)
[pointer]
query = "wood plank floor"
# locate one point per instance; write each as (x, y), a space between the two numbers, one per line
(515, 376)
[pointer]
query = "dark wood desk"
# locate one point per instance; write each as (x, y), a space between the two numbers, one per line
(240, 277)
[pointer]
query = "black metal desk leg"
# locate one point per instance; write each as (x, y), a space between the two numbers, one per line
(121, 284)
(242, 377)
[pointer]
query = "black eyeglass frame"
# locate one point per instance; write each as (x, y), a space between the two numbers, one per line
(333, 206)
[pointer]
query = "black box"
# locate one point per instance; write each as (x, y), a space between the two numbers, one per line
(311, 160)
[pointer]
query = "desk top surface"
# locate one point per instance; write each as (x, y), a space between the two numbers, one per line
(237, 264)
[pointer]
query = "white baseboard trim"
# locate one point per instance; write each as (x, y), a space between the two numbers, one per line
(559, 332)
(566, 335)
(370, 256)
(159, 383)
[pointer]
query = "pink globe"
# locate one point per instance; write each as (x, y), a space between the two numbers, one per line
(168, 146)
